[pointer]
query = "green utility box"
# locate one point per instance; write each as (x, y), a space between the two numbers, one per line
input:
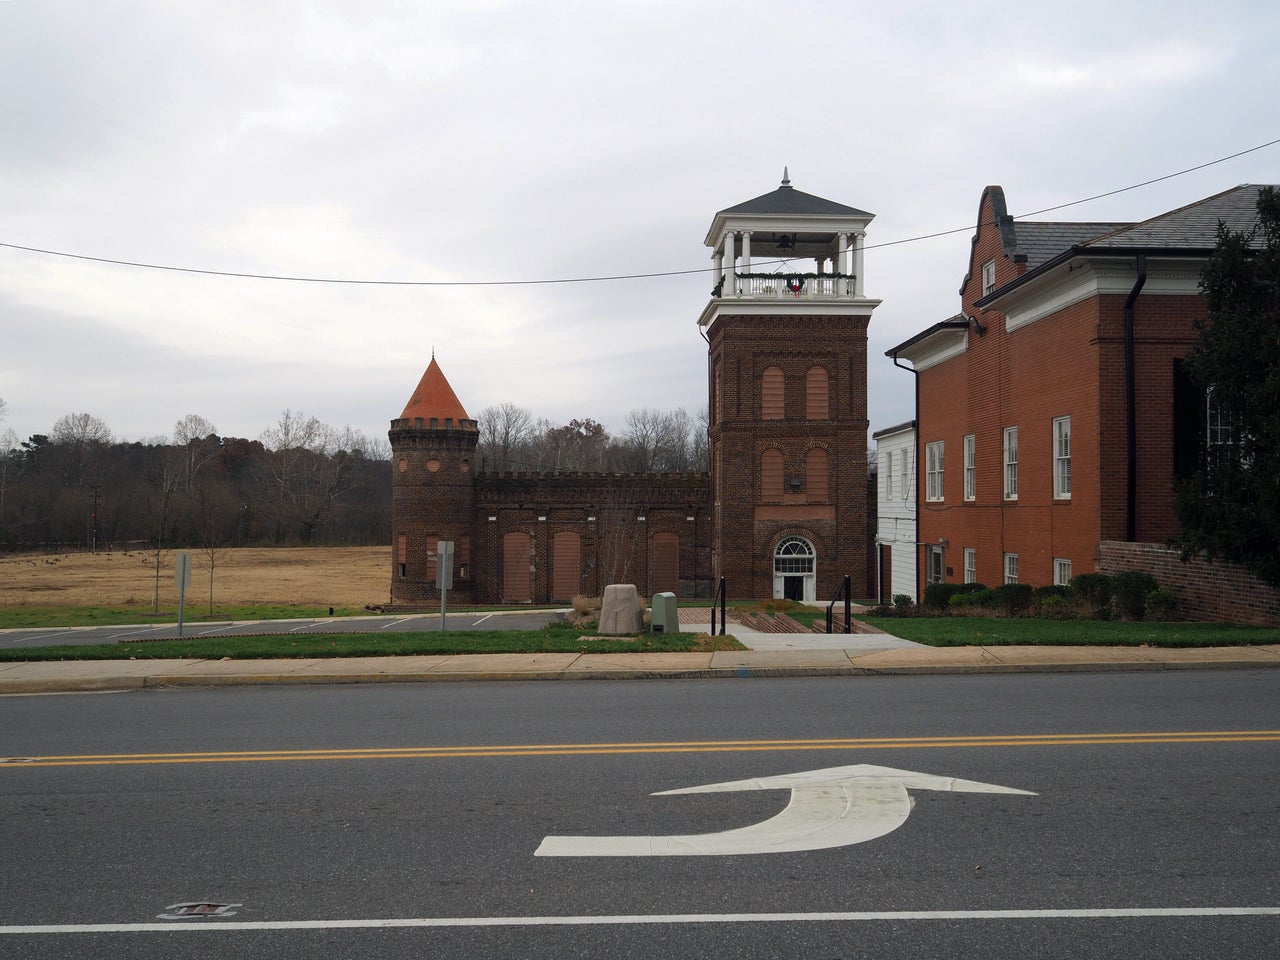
(663, 617)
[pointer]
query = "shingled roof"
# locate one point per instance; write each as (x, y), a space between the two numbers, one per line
(787, 200)
(1190, 228)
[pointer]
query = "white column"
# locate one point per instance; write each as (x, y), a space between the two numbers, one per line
(746, 251)
(842, 262)
(717, 270)
(730, 266)
(859, 237)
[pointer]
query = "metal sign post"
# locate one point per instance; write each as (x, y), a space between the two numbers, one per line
(182, 577)
(444, 574)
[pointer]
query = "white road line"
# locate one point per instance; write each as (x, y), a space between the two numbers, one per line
(895, 916)
(394, 623)
(311, 625)
(482, 619)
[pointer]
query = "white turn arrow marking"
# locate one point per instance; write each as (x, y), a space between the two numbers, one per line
(834, 807)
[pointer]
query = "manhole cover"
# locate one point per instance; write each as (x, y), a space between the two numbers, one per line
(197, 910)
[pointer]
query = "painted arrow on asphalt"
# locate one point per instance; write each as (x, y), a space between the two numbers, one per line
(834, 807)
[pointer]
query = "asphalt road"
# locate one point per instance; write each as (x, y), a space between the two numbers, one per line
(422, 807)
(27, 638)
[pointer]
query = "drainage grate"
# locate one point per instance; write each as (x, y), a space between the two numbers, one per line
(198, 910)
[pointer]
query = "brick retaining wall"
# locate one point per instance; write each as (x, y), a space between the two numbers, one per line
(1206, 591)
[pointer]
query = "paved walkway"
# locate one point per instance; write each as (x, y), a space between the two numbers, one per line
(771, 655)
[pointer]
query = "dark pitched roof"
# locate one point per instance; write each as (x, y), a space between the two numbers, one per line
(1193, 227)
(788, 200)
(1039, 242)
(1188, 231)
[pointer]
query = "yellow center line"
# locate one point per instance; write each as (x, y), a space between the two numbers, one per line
(692, 746)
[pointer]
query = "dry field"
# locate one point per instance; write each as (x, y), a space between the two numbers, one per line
(323, 576)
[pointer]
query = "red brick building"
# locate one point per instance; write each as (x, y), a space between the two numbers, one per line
(1053, 414)
(785, 509)
(788, 396)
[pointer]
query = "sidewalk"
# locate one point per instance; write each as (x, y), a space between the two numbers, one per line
(771, 655)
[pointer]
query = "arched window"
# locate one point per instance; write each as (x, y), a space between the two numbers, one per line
(772, 394)
(816, 476)
(816, 406)
(794, 555)
(771, 476)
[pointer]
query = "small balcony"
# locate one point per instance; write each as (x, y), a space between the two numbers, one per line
(786, 286)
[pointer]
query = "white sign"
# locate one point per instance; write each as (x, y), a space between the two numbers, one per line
(834, 807)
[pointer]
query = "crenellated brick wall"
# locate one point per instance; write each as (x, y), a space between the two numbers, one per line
(1206, 591)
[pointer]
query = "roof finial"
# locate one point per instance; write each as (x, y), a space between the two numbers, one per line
(433, 351)
(786, 178)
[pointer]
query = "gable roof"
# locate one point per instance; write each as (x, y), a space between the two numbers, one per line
(1190, 231)
(433, 398)
(1191, 228)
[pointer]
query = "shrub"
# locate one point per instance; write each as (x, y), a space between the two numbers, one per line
(1012, 598)
(938, 595)
(1162, 604)
(1053, 602)
(979, 597)
(1055, 607)
(1094, 590)
(1131, 589)
(903, 603)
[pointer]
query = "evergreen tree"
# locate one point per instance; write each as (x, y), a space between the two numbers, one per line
(1230, 507)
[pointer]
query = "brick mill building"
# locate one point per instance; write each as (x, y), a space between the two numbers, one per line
(1054, 418)
(784, 509)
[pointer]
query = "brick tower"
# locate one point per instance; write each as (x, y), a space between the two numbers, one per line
(787, 382)
(433, 446)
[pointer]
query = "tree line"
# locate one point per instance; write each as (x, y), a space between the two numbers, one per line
(301, 482)
(652, 441)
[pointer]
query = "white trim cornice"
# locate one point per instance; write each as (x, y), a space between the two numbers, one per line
(1086, 277)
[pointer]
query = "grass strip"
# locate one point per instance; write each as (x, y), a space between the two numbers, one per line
(377, 645)
(1010, 631)
(24, 615)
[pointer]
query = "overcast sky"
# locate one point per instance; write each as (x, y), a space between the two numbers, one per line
(528, 140)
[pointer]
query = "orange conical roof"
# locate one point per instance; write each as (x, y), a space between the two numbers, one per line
(434, 398)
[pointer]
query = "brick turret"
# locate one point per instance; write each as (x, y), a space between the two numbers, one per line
(433, 445)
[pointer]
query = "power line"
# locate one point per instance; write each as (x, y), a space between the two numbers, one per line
(599, 279)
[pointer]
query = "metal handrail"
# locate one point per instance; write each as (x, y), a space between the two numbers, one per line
(848, 606)
(719, 596)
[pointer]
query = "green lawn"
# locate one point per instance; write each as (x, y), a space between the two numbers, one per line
(997, 631)
(560, 638)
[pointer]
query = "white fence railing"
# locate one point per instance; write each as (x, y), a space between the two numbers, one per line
(788, 286)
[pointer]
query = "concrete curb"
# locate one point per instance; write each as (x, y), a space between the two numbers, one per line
(116, 683)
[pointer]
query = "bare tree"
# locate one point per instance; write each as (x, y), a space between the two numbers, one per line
(80, 429)
(643, 438)
(505, 432)
(200, 439)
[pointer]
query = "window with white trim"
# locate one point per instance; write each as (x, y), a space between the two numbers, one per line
(1062, 458)
(970, 565)
(1011, 463)
(933, 462)
(1061, 572)
(888, 476)
(988, 277)
(970, 467)
(907, 466)
(1010, 568)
